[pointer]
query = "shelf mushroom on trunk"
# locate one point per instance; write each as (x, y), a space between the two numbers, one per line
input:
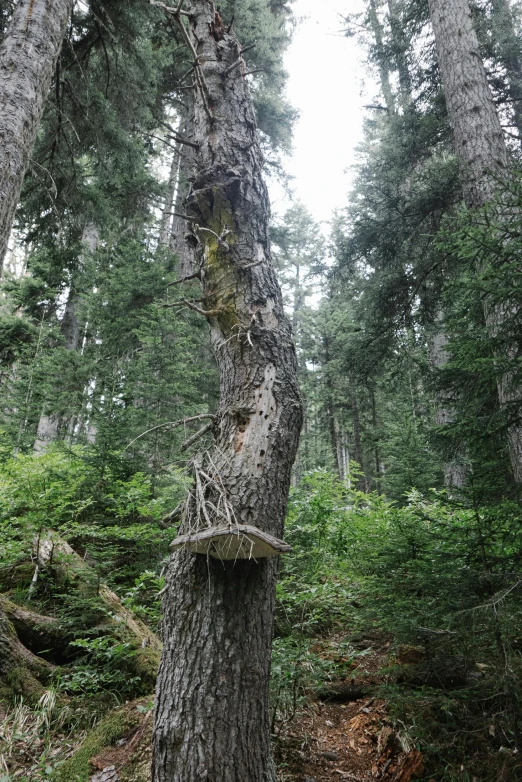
(240, 541)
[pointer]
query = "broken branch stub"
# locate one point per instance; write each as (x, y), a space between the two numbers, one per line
(241, 541)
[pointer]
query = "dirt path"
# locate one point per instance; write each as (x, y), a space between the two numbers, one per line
(352, 741)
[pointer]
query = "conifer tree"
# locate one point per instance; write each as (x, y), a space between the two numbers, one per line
(212, 718)
(28, 54)
(482, 152)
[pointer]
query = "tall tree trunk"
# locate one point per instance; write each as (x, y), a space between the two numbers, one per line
(380, 55)
(400, 49)
(510, 54)
(362, 482)
(455, 469)
(481, 149)
(170, 194)
(50, 424)
(477, 133)
(28, 56)
(178, 236)
(212, 716)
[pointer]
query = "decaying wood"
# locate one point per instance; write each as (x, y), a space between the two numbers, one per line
(21, 671)
(52, 551)
(212, 720)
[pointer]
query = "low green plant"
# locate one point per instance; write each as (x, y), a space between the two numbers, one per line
(102, 667)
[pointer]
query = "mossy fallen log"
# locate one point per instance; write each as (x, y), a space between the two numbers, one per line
(67, 567)
(22, 673)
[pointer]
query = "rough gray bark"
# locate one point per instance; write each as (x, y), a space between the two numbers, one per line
(455, 469)
(212, 717)
(481, 149)
(477, 133)
(28, 56)
(49, 425)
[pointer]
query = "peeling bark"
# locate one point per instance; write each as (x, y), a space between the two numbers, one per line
(212, 718)
(28, 56)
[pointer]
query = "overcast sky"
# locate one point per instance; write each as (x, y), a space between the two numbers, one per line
(325, 72)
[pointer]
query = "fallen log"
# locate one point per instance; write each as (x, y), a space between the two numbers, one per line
(22, 673)
(52, 552)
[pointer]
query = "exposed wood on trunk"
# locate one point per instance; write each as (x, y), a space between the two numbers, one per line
(170, 194)
(212, 718)
(28, 55)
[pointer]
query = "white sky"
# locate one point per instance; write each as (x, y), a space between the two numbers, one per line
(325, 72)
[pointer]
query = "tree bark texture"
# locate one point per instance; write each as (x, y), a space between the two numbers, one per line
(212, 716)
(482, 152)
(477, 133)
(400, 46)
(455, 469)
(28, 56)
(21, 671)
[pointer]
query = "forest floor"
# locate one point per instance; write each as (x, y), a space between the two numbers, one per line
(352, 740)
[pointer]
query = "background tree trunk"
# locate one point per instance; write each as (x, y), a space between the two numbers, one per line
(382, 60)
(481, 149)
(510, 54)
(50, 424)
(478, 138)
(212, 716)
(28, 57)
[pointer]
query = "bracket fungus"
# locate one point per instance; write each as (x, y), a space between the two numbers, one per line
(232, 542)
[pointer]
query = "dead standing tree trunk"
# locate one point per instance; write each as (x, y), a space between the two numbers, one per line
(212, 717)
(481, 149)
(28, 57)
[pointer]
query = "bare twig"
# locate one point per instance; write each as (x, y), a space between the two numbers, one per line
(185, 279)
(249, 73)
(185, 141)
(174, 11)
(197, 436)
(172, 425)
(206, 313)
